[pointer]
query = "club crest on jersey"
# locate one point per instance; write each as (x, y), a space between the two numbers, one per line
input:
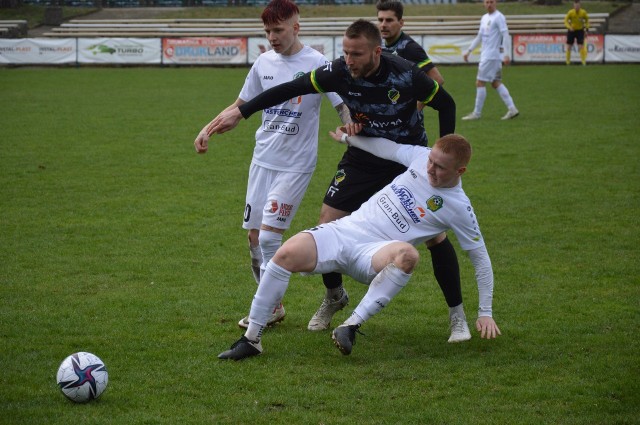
(435, 203)
(393, 95)
(340, 175)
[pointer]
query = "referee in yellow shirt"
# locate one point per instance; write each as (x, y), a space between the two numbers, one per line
(577, 23)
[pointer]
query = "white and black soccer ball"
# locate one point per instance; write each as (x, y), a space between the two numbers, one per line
(82, 377)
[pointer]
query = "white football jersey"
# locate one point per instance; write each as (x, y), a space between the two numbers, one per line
(492, 27)
(287, 139)
(409, 209)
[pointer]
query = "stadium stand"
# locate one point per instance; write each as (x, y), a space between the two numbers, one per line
(418, 25)
(13, 29)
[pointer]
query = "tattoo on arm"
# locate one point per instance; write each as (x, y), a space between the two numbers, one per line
(343, 113)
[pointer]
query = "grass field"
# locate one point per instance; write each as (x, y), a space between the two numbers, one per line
(116, 238)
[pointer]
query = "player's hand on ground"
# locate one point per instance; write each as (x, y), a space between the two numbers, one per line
(487, 327)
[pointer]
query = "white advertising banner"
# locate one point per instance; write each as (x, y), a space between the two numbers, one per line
(119, 50)
(443, 49)
(38, 51)
(622, 48)
(550, 48)
(259, 45)
(204, 50)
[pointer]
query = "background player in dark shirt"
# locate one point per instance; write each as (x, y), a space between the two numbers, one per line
(396, 42)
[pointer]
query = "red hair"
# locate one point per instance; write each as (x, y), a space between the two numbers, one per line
(278, 11)
(457, 146)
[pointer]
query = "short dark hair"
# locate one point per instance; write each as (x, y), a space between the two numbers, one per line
(392, 5)
(366, 29)
(279, 11)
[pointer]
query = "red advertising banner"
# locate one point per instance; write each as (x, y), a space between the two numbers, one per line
(204, 50)
(551, 48)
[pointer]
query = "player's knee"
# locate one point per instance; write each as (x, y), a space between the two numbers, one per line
(297, 254)
(406, 258)
(285, 256)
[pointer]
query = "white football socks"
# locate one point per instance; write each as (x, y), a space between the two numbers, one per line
(505, 96)
(382, 289)
(481, 95)
(269, 244)
(273, 285)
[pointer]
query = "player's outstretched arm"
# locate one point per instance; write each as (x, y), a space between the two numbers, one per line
(227, 120)
(219, 124)
(484, 276)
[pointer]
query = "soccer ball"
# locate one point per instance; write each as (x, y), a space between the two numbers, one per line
(82, 377)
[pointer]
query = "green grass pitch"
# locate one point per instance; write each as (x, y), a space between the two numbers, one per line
(118, 239)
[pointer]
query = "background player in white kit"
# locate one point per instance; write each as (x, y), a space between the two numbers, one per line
(376, 244)
(496, 47)
(286, 143)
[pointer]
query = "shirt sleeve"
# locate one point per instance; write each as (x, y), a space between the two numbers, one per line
(278, 94)
(567, 21)
(506, 38)
(387, 149)
(440, 100)
(484, 277)
(476, 41)
(416, 54)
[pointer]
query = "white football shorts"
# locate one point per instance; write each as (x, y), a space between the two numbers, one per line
(273, 197)
(489, 71)
(345, 249)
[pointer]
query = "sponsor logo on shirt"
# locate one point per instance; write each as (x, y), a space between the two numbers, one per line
(385, 124)
(355, 94)
(267, 77)
(407, 201)
(298, 75)
(435, 203)
(393, 213)
(364, 119)
(283, 112)
(280, 127)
